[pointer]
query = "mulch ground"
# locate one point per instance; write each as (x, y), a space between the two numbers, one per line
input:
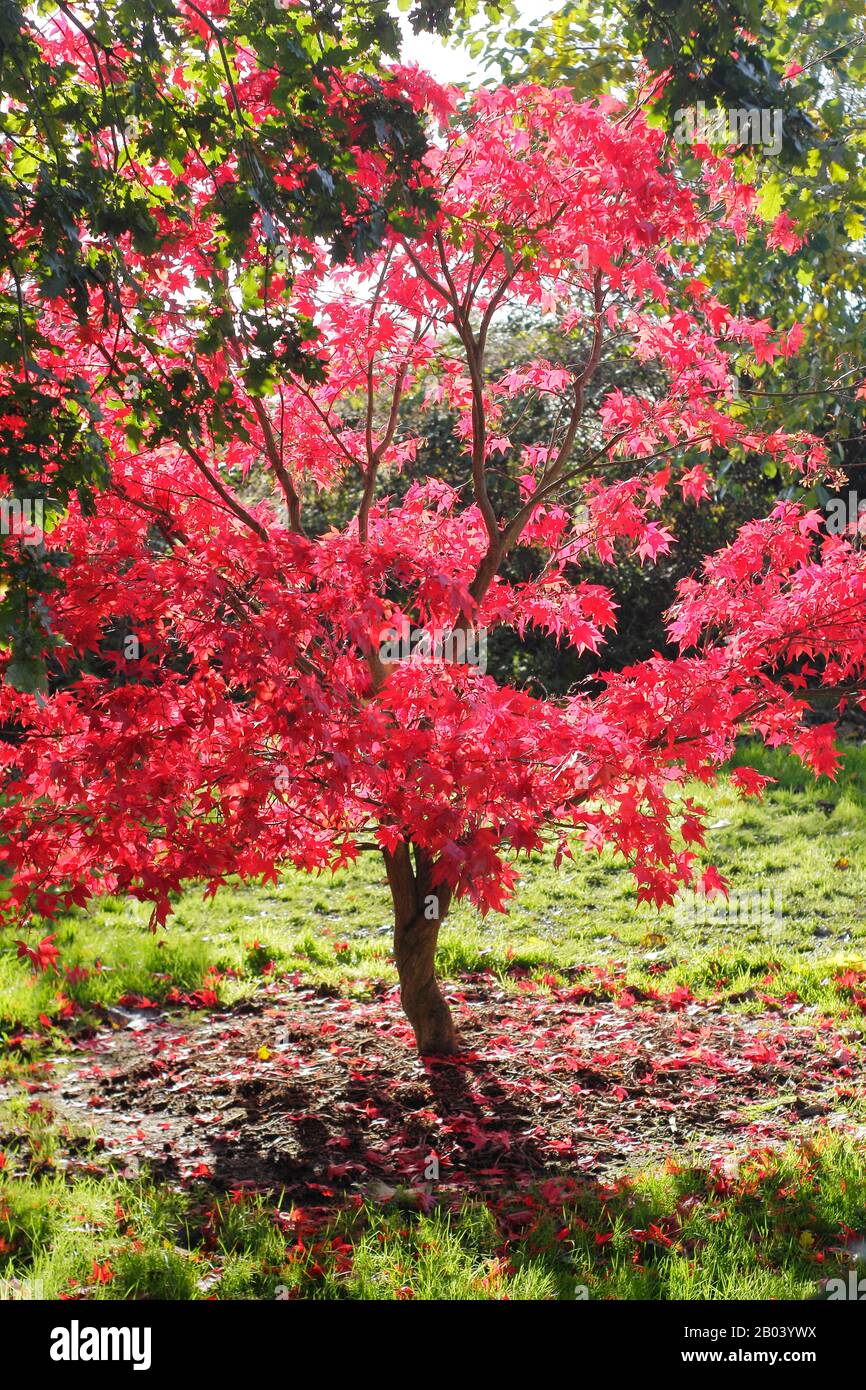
(325, 1097)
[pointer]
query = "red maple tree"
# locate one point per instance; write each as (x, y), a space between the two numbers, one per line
(248, 716)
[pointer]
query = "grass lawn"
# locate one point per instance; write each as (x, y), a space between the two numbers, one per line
(774, 1225)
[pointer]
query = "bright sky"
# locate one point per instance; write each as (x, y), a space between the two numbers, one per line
(449, 63)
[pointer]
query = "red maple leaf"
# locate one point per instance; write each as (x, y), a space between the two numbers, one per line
(42, 957)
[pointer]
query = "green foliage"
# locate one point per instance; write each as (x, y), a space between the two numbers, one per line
(733, 56)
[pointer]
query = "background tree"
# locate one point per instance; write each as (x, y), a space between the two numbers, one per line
(801, 65)
(806, 63)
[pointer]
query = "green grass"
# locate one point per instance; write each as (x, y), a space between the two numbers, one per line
(772, 1232)
(776, 1228)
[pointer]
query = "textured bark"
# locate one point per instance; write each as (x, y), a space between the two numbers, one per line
(415, 937)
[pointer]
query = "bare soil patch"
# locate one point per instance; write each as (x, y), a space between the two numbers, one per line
(325, 1097)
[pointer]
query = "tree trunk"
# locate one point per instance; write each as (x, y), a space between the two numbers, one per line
(418, 912)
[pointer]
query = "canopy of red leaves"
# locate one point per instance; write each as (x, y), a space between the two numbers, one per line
(256, 725)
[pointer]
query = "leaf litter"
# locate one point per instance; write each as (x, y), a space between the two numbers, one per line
(322, 1096)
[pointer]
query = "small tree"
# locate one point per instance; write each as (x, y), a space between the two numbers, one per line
(230, 691)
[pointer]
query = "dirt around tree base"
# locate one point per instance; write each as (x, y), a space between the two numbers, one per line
(324, 1096)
